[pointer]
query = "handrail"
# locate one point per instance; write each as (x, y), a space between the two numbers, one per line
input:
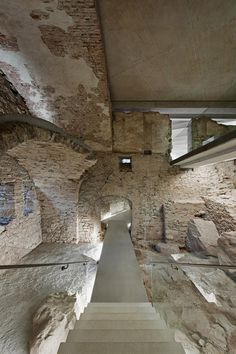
(64, 265)
(200, 265)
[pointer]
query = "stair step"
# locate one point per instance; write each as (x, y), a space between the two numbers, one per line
(119, 316)
(124, 309)
(121, 348)
(120, 324)
(121, 335)
(120, 304)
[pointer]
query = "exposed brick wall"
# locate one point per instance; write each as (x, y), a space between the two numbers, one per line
(152, 183)
(23, 232)
(10, 100)
(56, 171)
(72, 91)
(56, 164)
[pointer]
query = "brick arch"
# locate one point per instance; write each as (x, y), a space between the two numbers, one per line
(91, 190)
(56, 163)
(18, 128)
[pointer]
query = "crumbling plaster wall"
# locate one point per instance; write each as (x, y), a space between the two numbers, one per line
(203, 128)
(56, 171)
(23, 233)
(56, 164)
(10, 100)
(151, 183)
(67, 82)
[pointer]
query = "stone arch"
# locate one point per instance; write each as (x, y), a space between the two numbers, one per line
(20, 217)
(94, 187)
(19, 128)
(56, 162)
(110, 205)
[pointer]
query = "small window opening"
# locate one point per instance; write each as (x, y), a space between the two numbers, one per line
(125, 163)
(147, 152)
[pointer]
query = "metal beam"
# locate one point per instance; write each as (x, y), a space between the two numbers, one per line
(180, 109)
(221, 149)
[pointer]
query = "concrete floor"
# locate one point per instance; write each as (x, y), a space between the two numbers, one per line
(118, 277)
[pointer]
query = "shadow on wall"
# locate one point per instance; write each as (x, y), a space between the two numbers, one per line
(111, 205)
(49, 163)
(91, 225)
(20, 219)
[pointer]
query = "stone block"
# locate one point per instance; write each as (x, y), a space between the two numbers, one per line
(227, 244)
(202, 236)
(166, 248)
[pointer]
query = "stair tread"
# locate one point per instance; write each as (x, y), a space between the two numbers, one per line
(121, 348)
(121, 335)
(135, 304)
(120, 324)
(125, 309)
(119, 316)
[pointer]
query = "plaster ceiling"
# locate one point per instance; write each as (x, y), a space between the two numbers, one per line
(165, 50)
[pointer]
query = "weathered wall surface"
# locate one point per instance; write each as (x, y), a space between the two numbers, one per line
(56, 171)
(223, 212)
(138, 131)
(111, 205)
(66, 84)
(20, 220)
(56, 164)
(151, 183)
(204, 128)
(10, 100)
(177, 216)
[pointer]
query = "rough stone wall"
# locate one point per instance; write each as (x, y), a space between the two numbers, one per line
(140, 131)
(151, 183)
(22, 233)
(178, 213)
(56, 171)
(204, 128)
(56, 164)
(10, 100)
(67, 83)
(222, 212)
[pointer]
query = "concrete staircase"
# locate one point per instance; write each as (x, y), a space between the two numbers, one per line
(120, 328)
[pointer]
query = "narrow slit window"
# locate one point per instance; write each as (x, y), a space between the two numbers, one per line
(125, 163)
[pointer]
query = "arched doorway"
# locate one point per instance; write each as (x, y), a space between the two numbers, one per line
(111, 206)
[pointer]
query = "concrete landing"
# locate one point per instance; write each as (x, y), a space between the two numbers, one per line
(118, 277)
